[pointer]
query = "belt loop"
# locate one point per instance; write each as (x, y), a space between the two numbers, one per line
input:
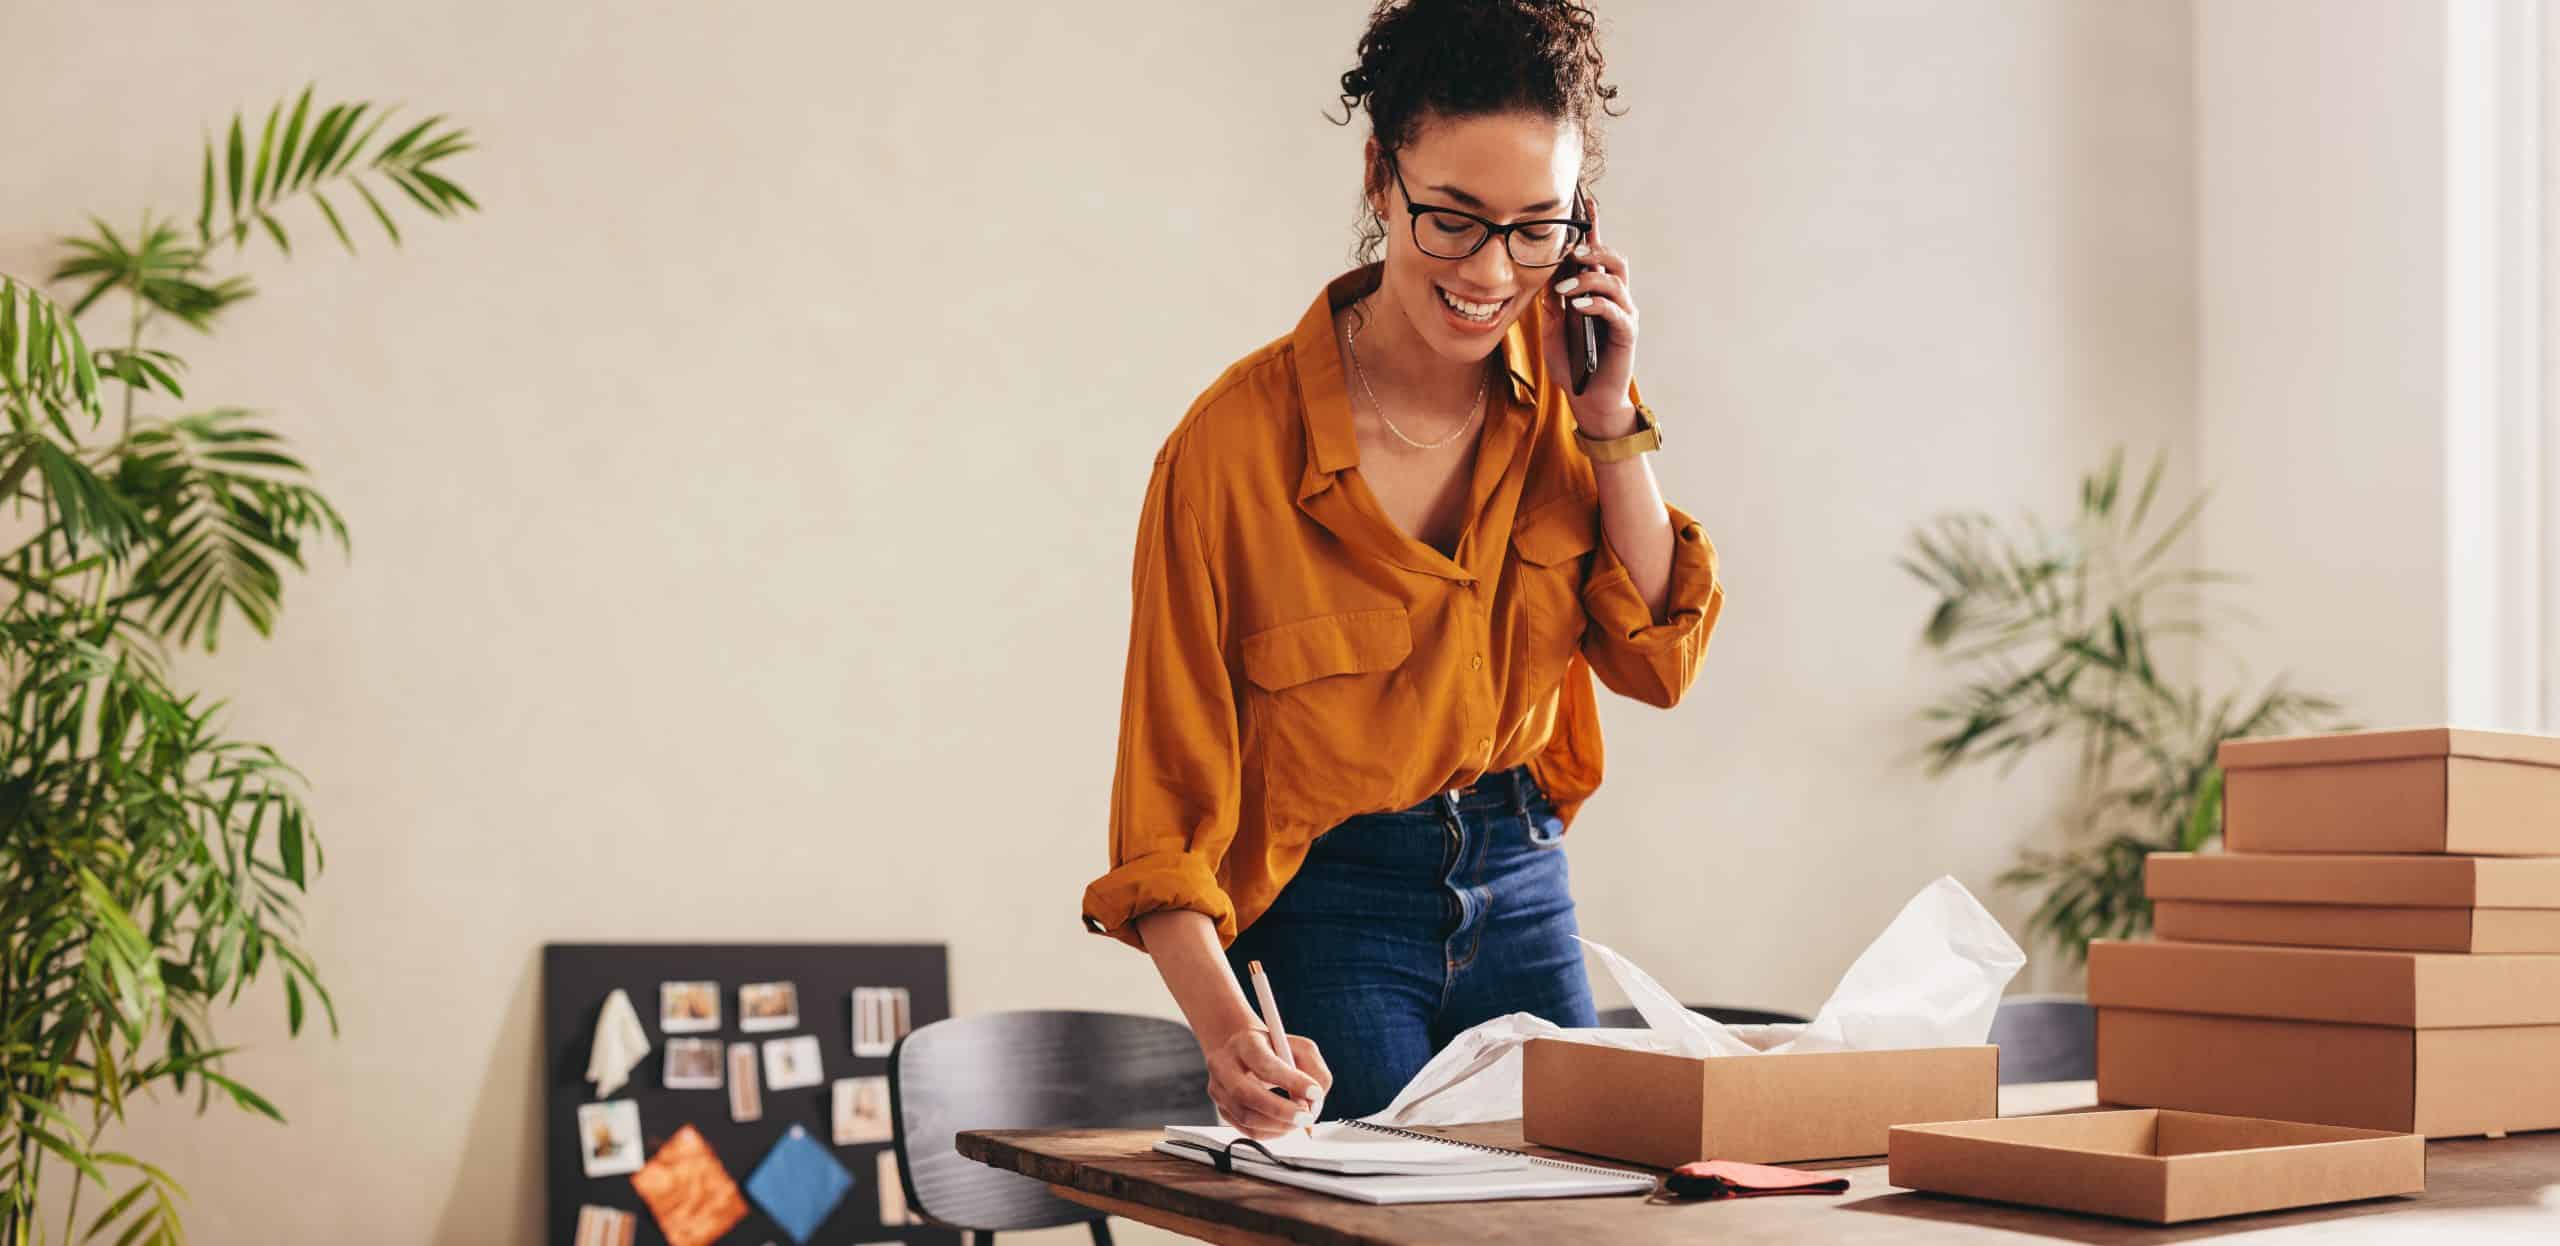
(1520, 793)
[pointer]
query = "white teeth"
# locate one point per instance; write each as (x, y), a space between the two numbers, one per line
(1472, 311)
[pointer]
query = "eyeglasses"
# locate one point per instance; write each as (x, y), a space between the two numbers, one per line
(1449, 234)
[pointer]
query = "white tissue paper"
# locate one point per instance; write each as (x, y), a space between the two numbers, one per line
(1932, 979)
(619, 1044)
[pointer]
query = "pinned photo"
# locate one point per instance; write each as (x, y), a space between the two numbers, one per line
(609, 1137)
(693, 1064)
(893, 1193)
(605, 1226)
(791, 1063)
(766, 1006)
(746, 1100)
(879, 1019)
(688, 1007)
(862, 1110)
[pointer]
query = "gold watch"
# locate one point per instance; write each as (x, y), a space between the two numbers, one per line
(1647, 437)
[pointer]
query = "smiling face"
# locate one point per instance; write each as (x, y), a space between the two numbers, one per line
(1504, 167)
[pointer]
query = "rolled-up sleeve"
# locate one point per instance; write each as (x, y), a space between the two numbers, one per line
(1635, 654)
(1174, 790)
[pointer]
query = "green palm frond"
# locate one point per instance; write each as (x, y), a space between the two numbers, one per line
(227, 507)
(46, 371)
(160, 267)
(143, 368)
(244, 189)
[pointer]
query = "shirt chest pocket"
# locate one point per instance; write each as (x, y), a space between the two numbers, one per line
(1556, 535)
(1325, 705)
(1552, 545)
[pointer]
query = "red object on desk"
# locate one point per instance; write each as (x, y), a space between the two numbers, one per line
(1724, 1178)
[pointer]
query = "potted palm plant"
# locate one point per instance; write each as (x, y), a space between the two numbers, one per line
(150, 863)
(2051, 630)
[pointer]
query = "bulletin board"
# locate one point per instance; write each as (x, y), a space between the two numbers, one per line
(576, 978)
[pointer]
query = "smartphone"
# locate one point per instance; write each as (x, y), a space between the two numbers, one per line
(1585, 335)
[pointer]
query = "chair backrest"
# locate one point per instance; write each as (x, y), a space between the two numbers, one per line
(2046, 1038)
(1630, 1019)
(1031, 1070)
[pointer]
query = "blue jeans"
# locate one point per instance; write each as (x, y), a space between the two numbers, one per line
(1402, 930)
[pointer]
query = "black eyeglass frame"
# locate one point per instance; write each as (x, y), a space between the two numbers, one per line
(1581, 228)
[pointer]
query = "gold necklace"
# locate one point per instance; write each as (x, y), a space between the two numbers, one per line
(1350, 343)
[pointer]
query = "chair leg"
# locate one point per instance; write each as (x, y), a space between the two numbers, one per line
(1101, 1230)
(982, 1237)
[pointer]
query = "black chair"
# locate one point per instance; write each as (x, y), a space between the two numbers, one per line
(2046, 1038)
(1031, 1070)
(1630, 1019)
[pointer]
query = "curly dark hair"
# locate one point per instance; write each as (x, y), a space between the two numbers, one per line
(1472, 58)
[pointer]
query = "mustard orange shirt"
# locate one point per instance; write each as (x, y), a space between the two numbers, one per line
(1295, 658)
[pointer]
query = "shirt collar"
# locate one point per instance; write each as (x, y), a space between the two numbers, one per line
(1325, 391)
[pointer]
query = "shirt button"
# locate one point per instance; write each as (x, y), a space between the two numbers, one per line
(1475, 662)
(1485, 745)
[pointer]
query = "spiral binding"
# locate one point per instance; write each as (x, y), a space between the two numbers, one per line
(1497, 1150)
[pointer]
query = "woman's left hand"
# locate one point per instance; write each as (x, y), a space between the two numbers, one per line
(1603, 408)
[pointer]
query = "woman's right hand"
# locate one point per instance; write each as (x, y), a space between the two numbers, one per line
(1242, 1071)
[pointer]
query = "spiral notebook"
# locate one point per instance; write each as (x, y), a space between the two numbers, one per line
(1473, 1172)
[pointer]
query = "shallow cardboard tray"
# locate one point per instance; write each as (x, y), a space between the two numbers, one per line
(2154, 1165)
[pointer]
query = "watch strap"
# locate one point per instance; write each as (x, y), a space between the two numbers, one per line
(1646, 438)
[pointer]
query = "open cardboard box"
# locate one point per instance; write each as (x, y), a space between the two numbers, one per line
(2411, 903)
(2443, 1045)
(1663, 1110)
(2434, 789)
(2160, 1166)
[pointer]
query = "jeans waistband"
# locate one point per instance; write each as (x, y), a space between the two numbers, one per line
(1498, 789)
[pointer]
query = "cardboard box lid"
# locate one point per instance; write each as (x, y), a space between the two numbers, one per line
(2354, 746)
(2154, 1164)
(2421, 990)
(2404, 881)
(2157, 1133)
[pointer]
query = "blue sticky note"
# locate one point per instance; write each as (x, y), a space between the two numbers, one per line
(798, 1184)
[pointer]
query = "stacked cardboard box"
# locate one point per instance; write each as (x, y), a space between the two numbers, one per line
(2379, 948)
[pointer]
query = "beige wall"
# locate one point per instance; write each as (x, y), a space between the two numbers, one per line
(2321, 324)
(743, 502)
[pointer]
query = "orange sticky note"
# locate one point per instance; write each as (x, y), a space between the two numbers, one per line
(689, 1192)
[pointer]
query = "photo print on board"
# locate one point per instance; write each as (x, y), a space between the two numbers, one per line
(768, 1006)
(791, 1063)
(693, 1064)
(605, 1226)
(746, 1101)
(861, 1110)
(879, 1019)
(609, 1137)
(688, 1007)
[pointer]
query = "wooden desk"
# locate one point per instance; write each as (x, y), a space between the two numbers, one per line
(2478, 1190)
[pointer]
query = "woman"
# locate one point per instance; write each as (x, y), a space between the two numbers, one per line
(1379, 562)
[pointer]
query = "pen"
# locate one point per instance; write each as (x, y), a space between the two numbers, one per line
(1271, 1020)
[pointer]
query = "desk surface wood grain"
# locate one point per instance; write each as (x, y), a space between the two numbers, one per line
(2477, 1189)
